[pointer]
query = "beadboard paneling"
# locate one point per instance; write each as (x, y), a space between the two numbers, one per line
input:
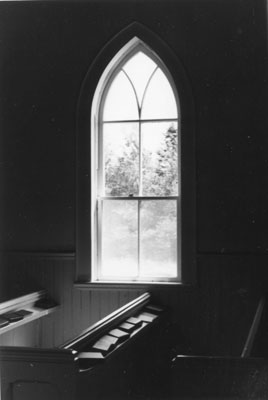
(78, 308)
(26, 335)
(214, 316)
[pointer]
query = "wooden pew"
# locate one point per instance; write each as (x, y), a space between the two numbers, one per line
(219, 378)
(125, 370)
(43, 374)
(244, 377)
(71, 372)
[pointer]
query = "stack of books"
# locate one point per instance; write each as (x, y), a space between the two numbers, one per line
(13, 316)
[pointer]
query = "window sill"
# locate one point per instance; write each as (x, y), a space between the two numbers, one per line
(97, 285)
(24, 302)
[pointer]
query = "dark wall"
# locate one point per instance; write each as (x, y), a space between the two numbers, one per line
(46, 49)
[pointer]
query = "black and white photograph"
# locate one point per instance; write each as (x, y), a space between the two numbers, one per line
(133, 200)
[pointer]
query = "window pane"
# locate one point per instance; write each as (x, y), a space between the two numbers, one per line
(121, 159)
(159, 101)
(158, 241)
(120, 103)
(119, 238)
(160, 159)
(139, 69)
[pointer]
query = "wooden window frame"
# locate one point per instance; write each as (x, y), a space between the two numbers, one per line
(135, 35)
(102, 90)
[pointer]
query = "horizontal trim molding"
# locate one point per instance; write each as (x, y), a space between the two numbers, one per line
(27, 354)
(129, 285)
(41, 254)
(231, 254)
(72, 254)
(139, 198)
(123, 121)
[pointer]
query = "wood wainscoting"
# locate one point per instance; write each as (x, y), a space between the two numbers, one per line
(78, 308)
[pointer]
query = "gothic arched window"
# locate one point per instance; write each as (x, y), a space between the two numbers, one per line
(136, 170)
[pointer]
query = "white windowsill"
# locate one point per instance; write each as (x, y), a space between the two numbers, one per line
(129, 285)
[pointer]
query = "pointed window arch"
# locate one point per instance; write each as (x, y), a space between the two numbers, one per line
(135, 168)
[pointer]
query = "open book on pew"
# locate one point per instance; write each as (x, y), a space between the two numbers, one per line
(105, 344)
(119, 334)
(147, 316)
(127, 327)
(134, 321)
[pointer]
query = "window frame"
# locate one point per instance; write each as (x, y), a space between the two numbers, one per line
(84, 125)
(102, 90)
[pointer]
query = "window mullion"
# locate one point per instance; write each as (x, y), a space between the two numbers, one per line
(139, 238)
(140, 192)
(140, 159)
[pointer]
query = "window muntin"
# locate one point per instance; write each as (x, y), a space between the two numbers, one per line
(120, 102)
(159, 100)
(137, 201)
(144, 243)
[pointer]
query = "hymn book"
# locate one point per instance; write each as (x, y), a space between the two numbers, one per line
(105, 344)
(121, 335)
(134, 321)
(126, 326)
(147, 317)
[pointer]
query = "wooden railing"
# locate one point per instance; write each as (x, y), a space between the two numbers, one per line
(104, 325)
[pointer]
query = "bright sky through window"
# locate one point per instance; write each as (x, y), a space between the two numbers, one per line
(140, 86)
